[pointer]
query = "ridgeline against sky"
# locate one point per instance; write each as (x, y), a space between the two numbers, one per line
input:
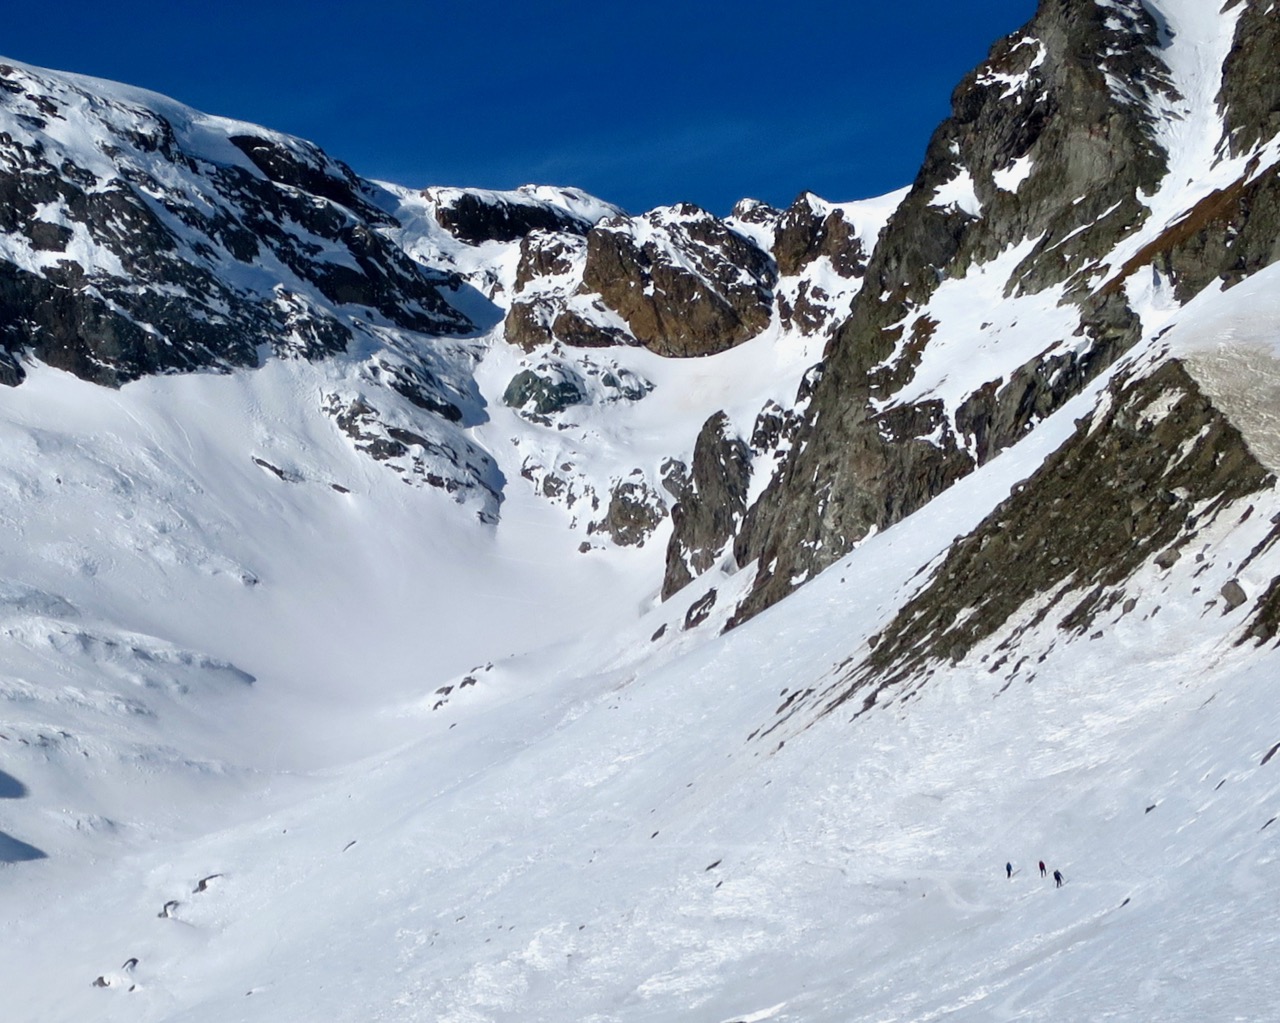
(640, 104)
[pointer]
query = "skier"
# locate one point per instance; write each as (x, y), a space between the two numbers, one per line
(1008, 869)
(1057, 878)
(1042, 870)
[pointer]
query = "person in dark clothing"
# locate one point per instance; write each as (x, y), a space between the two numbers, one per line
(1008, 869)
(1042, 870)
(1057, 878)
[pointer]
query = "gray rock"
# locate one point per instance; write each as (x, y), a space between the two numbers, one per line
(710, 503)
(699, 611)
(1251, 88)
(635, 511)
(1233, 595)
(543, 394)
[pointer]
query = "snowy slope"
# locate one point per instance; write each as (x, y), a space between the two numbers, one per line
(542, 846)
(613, 846)
(282, 737)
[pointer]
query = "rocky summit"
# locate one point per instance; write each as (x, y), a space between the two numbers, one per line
(773, 578)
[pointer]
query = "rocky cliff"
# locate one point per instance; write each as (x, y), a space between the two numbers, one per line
(681, 283)
(139, 239)
(1051, 191)
(678, 281)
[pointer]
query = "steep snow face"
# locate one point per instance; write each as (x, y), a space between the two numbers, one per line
(1236, 357)
(1009, 332)
(1195, 41)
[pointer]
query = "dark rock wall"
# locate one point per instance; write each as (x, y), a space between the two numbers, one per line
(172, 232)
(710, 503)
(1133, 484)
(684, 283)
(1251, 89)
(1074, 92)
(724, 300)
(476, 218)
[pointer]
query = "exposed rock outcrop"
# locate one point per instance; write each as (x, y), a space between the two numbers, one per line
(822, 256)
(1251, 87)
(1051, 146)
(709, 505)
(812, 228)
(554, 384)
(155, 249)
(1138, 481)
(460, 468)
(543, 393)
(635, 510)
(476, 217)
(715, 294)
(677, 281)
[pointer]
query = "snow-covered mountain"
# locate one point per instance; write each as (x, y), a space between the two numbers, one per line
(1097, 169)
(402, 605)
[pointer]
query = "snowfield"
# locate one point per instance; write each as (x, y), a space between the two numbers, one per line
(442, 772)
(288, 735)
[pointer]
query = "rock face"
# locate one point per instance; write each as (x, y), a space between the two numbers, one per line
(159, 245)
(1042, 171)
(1141, 481)
(684, 282)
(811, 229)
(1251, 88)
(456, 466)
(554, 384)
(822, 257)
(678, 281)
(476, 217)
(635, 511)
(709, 505)
(542, 394)
(1229, 235)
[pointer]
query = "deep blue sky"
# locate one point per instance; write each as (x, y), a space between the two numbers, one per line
(640, 103)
